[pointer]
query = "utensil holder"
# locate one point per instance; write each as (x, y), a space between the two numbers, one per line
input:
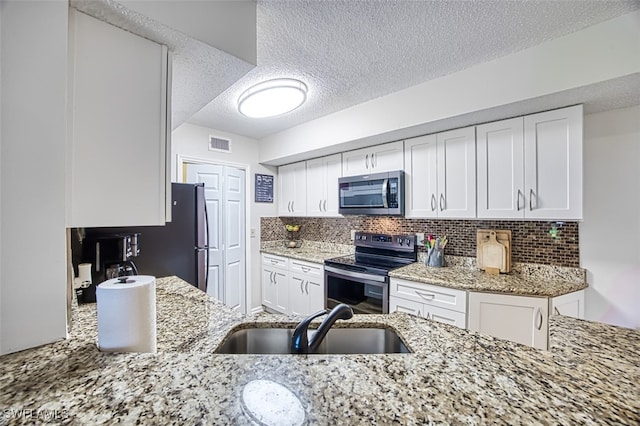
(435, 258)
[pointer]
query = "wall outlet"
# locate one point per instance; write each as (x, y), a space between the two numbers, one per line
(353, 234)
(420, 238)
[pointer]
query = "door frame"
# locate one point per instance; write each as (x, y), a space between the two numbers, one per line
(181, 161)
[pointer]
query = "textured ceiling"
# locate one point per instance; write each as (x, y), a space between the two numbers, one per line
(349, 52)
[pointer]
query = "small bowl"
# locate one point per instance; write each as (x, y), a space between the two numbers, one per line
(293, 243)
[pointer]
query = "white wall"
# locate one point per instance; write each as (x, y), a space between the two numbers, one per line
(192, 141)
(610, 233)
(602, 52)
(32, 166)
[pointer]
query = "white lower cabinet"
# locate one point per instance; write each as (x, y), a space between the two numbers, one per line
(571, 305)
(521, 319)
(438, 303)
(275, 282)
(292, 286)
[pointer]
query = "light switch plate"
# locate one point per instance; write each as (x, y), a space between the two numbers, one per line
(353, 234)
(420, 238)
(253, 232)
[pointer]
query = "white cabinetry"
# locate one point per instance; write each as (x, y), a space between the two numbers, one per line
(520, 319)
(293, 187)
(306, 290)
(531, 167)
(292, 286)
(119, 128)
(275, 282)
(322, 185)
(375, 159)
(441, 175)
(438, 303)
(571, 305)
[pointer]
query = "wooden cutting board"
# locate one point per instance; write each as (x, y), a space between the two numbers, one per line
(494, 254)
(503, 237)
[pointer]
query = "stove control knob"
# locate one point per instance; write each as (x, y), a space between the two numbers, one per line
(364, 237)
(400, 241)
(408, 241)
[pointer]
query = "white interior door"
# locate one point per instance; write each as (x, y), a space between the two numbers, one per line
(225, 199)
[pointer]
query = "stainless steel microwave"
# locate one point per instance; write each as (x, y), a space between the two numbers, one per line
(373, 194)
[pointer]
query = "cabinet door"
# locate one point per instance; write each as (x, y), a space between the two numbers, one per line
(553, 164)
(387, 157)
(315, 292)
(356, 162)
(298, 298)
(442, 297)
(269, 294)
(571, 305)
(421, 177)
(517, 318)
(281, 279)
(501, 169)
(119, 121)
(293, 187)
(316, 187)
(333, 171)
(457, 173)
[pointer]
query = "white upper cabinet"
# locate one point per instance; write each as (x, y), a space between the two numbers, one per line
(441, 175)
(457, 173)
(501, 169)
(119, 130)
(421, 177)
(322, 185)
(375, 159)
(553, 164)
(293, 187)
(531, 167)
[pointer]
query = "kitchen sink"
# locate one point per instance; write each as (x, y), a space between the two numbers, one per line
(337, 341)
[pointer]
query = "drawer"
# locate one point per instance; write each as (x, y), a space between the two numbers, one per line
(306, 268)
(430, 295)
(275, 261)
(446, 316)
(407, 306)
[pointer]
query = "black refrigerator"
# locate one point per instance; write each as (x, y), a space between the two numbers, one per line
(181, 246)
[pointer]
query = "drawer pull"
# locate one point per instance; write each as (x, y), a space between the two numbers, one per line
(305, 269)
(539, 319)
(426, 296)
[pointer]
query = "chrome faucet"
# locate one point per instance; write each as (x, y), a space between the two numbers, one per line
(299, 341)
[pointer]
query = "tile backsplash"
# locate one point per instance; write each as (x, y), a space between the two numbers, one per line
(531, 241)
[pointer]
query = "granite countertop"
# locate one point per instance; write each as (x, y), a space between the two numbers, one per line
(310, 251)
(530, 280)
(589, 376)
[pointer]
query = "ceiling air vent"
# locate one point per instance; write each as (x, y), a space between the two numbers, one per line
(219, 144)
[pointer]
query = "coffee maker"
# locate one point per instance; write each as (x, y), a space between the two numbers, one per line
(111, 256)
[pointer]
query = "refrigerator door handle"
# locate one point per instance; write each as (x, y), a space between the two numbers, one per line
(206, 227)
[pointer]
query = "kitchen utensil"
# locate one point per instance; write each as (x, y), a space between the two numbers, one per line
(494, 254)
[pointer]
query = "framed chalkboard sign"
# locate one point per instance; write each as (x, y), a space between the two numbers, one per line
(264, 188)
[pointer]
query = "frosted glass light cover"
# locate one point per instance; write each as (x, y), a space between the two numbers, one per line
(272, 98)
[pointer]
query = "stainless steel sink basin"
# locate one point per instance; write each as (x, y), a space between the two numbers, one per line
(337, 341)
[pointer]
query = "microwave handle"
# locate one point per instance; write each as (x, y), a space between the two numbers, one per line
(385, 189)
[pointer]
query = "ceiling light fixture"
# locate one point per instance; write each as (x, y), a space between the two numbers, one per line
(272, 97)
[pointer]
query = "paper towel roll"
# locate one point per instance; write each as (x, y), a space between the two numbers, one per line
(127, 314)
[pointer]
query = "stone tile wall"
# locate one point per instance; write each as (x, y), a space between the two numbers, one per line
(531, 241)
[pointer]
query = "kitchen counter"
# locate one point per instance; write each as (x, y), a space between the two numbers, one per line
(528, 280)
(310, 251)
(589, 376)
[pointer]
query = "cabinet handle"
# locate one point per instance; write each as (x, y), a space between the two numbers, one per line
(301, 290)
(271, 278)
(555, 309)
(373, 156)
(427, 296)
(531, 198)
(539, 319)
(305, 269)
(428, 315)
(366, 161)
(320, 205)
(419, 314)
(306, 287)
(518, 199)
(442, 200)
(293, 209)
(289, 206)
(325, 205)
(433, 203)
(274, 262)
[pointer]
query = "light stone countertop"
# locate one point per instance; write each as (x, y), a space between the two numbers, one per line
(589, 376)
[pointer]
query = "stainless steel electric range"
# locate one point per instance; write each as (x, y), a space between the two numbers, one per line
(362, 280)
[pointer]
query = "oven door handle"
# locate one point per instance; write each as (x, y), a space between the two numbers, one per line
(351, 274)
